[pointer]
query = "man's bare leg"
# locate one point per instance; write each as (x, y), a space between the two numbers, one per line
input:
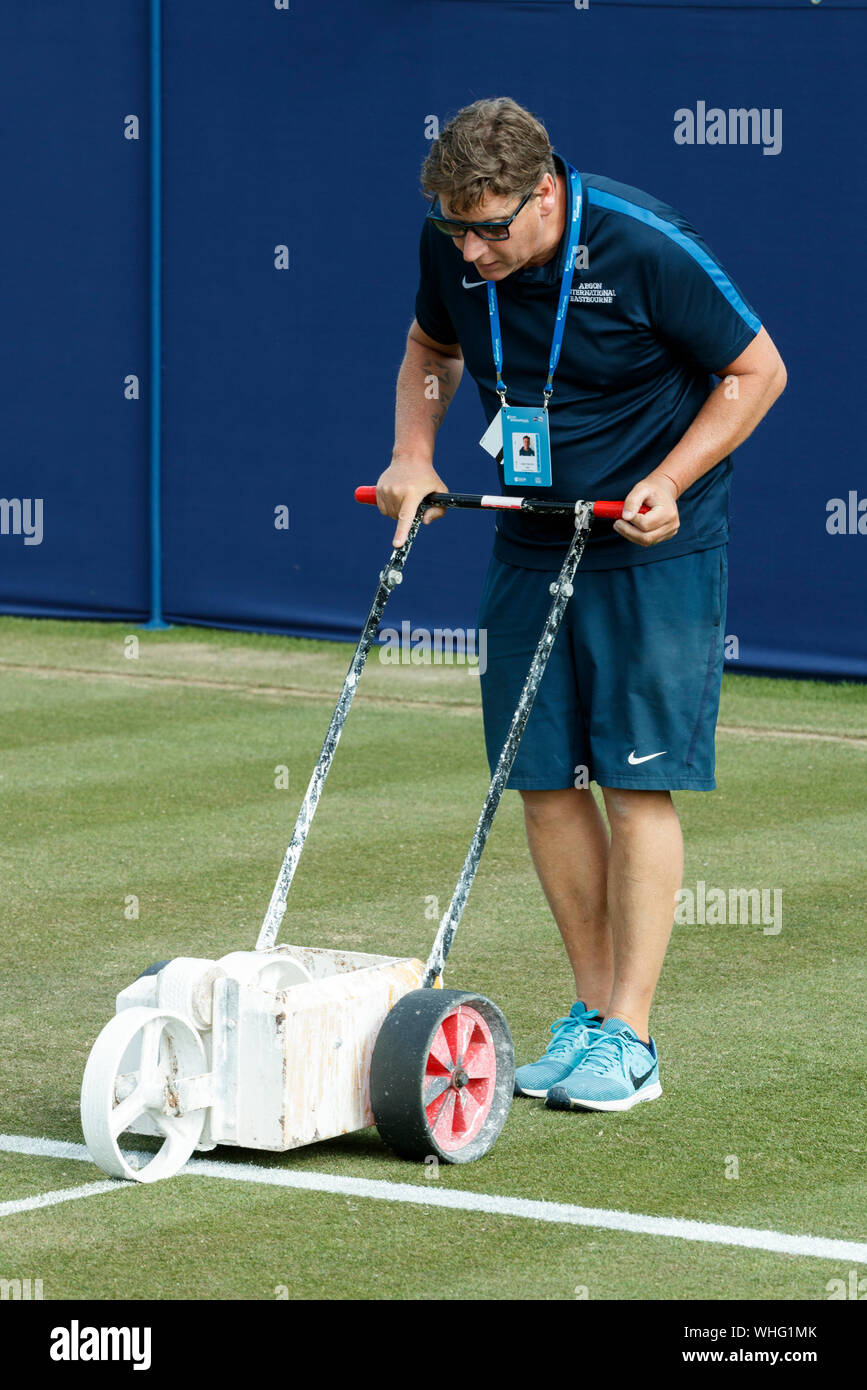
(569, 845)
(613, 905)
(645, 870)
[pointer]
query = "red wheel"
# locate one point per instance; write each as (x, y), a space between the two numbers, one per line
(442, 1075)
(460, 1078)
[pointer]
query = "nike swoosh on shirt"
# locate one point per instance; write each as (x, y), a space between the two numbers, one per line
(471, 284)
(635, 761)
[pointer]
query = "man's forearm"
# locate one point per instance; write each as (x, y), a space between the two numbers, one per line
(426, 383)
(727, 418)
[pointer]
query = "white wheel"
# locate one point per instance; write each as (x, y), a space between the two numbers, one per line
(186, 986)
(271, 970)
(167, 1051)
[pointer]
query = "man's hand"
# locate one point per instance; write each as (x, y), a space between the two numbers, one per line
(662, 521)
(400, 489)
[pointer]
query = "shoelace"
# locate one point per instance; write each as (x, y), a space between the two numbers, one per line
(564, 1030)
(610, 1047)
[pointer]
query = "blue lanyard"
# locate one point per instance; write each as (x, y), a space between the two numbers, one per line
(565, 288)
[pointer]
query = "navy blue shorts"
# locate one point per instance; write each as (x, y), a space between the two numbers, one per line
(631, 689)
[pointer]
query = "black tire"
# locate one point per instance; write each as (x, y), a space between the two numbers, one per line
(399, 1068)
(152, 969)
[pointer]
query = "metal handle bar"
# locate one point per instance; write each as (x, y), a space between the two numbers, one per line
(609, 510)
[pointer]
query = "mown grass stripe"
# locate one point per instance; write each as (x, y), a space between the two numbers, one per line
(378, 699)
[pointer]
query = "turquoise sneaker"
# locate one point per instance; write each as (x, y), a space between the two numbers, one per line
(572, 1037)
(616, 1073)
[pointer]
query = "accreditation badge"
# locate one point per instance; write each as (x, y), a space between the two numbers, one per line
(526, 446)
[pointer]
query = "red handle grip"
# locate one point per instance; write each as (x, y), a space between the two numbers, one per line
(612, 510)
(366, 494)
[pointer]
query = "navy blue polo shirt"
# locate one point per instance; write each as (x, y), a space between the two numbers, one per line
(649, 320)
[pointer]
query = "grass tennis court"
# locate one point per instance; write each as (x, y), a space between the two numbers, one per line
(151, 781)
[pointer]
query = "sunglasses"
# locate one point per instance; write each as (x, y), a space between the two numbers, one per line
(488, 231)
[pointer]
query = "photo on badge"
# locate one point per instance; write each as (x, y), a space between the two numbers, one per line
(525, 453)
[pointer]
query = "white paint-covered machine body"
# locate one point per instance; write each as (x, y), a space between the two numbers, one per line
(286, 1066)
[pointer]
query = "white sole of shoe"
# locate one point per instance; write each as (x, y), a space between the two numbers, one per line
(647, 1093)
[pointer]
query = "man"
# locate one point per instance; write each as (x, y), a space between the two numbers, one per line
(526, 450)
(631, 692)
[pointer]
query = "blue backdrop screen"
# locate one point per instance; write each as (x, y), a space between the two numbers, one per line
(292, 144)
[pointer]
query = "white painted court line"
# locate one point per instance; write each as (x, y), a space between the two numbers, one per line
(556, 1213)
(62, 1194)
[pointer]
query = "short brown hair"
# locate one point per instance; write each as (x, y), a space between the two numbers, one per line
(492, 146)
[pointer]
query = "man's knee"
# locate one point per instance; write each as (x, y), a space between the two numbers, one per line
(628, 807)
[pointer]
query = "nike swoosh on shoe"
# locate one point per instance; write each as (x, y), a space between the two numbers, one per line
(638, 1081)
